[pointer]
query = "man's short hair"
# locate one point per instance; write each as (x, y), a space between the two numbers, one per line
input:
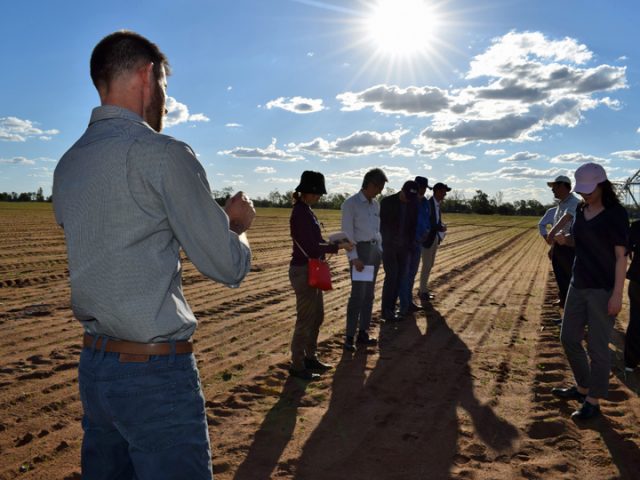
(121, 52)
(375, 176)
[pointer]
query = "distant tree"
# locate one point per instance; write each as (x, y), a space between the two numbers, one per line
(39, 195)
(480, 203)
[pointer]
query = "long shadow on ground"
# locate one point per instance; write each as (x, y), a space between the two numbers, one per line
(401, 422)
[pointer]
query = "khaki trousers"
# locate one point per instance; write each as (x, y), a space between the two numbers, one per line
(428, 259)
(309, 317)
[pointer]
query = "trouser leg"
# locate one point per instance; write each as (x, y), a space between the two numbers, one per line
(428, 259)
(309, 315)
(632, 337)
(408, 279)
(572, 333)
(562, 262)
(600, 329)
(362, 295)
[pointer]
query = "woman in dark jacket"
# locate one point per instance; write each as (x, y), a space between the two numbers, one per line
(632, 338)
(307, 243)
(600, 234)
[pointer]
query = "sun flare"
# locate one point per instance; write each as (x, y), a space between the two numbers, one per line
(402, 27)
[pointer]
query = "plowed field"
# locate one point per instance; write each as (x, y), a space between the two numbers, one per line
(461, 391)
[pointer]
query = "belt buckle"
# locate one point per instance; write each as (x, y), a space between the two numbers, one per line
(133, 358)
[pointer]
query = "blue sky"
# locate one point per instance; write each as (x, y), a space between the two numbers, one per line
(500, 96)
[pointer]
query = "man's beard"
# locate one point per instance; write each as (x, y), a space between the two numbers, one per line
(154, 112)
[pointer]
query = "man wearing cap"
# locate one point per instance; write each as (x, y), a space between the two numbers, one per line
(407, 305)
(361, 223)
(398, 228)
(562, 255)
(434, 237)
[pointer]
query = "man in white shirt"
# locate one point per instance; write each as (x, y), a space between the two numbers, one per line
(361, 223)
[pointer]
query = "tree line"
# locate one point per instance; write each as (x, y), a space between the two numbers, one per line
(455, 202)
(480, 203)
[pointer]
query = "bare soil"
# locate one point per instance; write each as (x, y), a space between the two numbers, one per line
(461, 391)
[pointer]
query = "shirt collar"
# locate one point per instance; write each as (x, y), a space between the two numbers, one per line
(105, 112)
(363, 198)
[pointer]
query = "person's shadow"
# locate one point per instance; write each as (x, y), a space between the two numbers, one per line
(274, 433)
(402, 422)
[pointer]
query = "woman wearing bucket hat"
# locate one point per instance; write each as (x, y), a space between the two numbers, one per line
(600, 234)
(307, 243)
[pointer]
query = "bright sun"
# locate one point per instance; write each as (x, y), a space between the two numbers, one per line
(402, 27)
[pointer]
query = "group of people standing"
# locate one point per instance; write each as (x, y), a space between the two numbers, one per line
(129, 199)
(397, 232)
(590, 243)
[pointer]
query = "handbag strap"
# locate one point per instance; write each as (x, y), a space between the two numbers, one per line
(301, 249)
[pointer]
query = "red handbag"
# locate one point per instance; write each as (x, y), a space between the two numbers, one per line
(318, 273)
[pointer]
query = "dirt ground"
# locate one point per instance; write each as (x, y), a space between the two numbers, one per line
(461, 391)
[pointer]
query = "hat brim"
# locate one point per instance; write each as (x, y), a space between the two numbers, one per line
(586, 188)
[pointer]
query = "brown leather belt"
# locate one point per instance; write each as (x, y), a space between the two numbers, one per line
(134, 351)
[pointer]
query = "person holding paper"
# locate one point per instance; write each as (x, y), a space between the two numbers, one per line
(361, 224)
(307, 243)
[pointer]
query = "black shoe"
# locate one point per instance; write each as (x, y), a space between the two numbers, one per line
(303, 374)
(570, 393)
(426, 297)
(390, 317)
(586, 411)
(414, 308)
(365, 339)
(349, 345)
(315, 364)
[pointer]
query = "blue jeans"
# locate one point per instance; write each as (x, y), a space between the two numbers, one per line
(362, 293)
(406, 283)
(143, 421)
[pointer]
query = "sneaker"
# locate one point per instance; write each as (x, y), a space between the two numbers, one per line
(586, 411)
(365, 339)
(349, 345)
(315, 364)
(303, 374)
(570, 393)
(426, 297)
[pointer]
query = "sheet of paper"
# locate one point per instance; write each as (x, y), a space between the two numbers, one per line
(366, 275)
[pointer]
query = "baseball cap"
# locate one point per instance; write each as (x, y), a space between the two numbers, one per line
(423, 182)
(560, 179)
(440, 185)
(588, 176)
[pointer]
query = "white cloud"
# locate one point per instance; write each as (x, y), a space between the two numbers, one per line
(627, 154)
(418, 101)
(426, 166)
(233, 125)
(459, 157)
(178, 113)
(392, 172)
(403, 152)
(17, 161)
(519, 173)
(358, 143)
(291, 181)
(13, 129)
(578, 158)
(267, 170)
(528, 84)
(310, 54)
(269, 153)
(520, 157)
(498, 151)
(297, 104)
